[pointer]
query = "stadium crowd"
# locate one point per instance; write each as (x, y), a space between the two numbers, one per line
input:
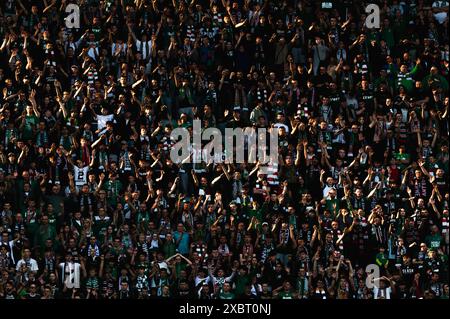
(93, 207)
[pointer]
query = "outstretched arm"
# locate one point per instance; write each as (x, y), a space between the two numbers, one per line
(423, 169)
(131, 32)
(33, 103)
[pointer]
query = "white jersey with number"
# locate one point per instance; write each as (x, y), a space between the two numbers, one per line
(80, 175)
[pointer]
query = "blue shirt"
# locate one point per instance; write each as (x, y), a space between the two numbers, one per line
(183, 245)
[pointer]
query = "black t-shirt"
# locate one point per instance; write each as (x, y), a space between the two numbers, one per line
(381, 108)
(369, 99)
(407, 272)
(442, 184)
(336, 98)
(319, 294)
(10, 295)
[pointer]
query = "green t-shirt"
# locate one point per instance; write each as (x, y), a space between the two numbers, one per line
(43, 233)
(285, 295)
(179, 267)
(22, 293)
(52, 221)
(332, 205)
(142, 217)
(97, 32)
(100, 226)
(66, 142)
(92, 283)
(241, 282)
(381, 260)
(388, 35)
(169, 249)
(401, 157)
(255, 213)
(30, 122)
(32, 224)
(433, 241)
(226, 295)
(113, 189)
(436, 80)
(56, 202)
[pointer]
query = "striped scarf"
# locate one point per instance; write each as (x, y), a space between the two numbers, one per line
(42, 138)
(284, 236)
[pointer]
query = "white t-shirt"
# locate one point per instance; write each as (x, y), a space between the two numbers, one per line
(32, 264)
(326, 189)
